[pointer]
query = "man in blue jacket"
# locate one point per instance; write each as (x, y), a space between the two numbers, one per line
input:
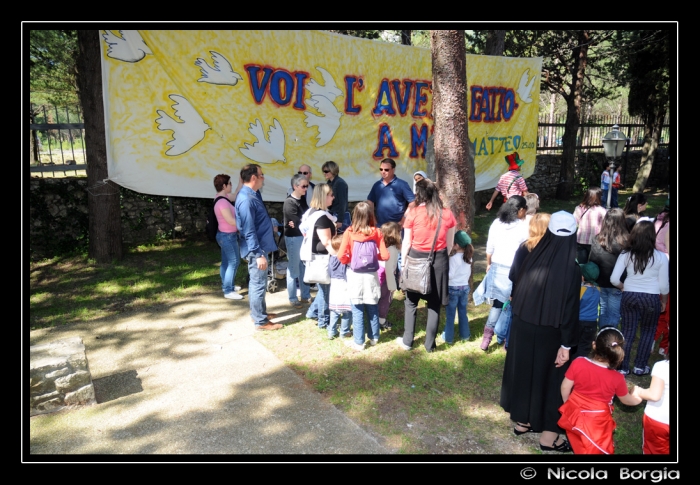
(257, 242)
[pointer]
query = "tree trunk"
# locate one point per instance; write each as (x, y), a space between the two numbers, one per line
(652, 134)
(34, 137)
(453, 163)
(104, 212)
(495, 42)
(565, 188)
(406, 37)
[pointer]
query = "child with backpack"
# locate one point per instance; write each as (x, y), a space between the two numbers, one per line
(387, 270)
(460, 271)
(338, 302)
(361, 249)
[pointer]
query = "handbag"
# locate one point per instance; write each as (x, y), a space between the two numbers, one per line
(317, 269)
(415, 274)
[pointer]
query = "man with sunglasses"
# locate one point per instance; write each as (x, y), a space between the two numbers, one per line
(257, 241)
(293, 209)
(305, 170)
(391, 195)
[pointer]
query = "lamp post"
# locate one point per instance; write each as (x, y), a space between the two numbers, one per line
(613, 144)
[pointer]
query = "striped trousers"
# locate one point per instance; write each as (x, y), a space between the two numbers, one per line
(639, 310)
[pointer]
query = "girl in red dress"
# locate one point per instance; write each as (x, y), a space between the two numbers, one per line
(588, 389)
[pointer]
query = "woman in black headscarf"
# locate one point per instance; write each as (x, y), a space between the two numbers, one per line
(545, 303)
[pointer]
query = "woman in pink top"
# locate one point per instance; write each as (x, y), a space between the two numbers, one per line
(227, 235)
(589, 215)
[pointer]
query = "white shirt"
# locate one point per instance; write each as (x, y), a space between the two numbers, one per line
(654, 280)
(658, 411)
(459, 270)
(505, 239)
(390, 267)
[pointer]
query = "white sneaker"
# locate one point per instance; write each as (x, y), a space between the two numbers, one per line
(354, 346)
(374, 342)
(399, 340)
(233, 296)
(236, 288)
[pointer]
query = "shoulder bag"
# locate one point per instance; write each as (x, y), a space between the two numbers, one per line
(415, 274)
(317, 269)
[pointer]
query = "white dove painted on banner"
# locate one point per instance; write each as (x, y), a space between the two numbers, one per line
(327, 124)
(268, 149)
(525, 87)
(130, 47)
(186, 133)
(221, 73)
(328, 89)
(322, 97)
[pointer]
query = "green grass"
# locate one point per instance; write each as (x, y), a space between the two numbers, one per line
(74, 289)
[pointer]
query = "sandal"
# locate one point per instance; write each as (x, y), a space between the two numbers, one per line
(563, 447)
(528, 429)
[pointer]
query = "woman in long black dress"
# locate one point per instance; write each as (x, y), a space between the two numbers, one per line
(545, 302)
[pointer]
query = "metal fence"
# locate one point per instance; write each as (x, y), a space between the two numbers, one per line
(591, 132)
(57, 141)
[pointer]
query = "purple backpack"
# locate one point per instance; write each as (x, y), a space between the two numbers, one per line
(364, 257)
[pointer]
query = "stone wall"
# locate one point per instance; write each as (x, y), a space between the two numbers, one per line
(58, 216)
(59, 376)
(58, 213)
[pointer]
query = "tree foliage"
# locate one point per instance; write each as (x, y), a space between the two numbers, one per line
(52, 68)
(364, 34)
(646, 71)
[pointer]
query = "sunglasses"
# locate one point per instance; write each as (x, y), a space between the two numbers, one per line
(385, 170)
(326, 171)
(303, 173)
(304, 186)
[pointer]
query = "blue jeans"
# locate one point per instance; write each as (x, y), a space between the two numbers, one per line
(610, 299)
(319, 307)
(230, 259)
(344, 323)
(613, 198)
(256, 292)
(458, 304)
(295, 269)
(358, 322)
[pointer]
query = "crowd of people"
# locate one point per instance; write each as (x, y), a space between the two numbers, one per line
(568, 292)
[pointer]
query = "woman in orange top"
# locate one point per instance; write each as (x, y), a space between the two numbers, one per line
(420, 230)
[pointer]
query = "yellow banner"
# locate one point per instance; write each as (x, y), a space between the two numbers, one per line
(183, 106)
